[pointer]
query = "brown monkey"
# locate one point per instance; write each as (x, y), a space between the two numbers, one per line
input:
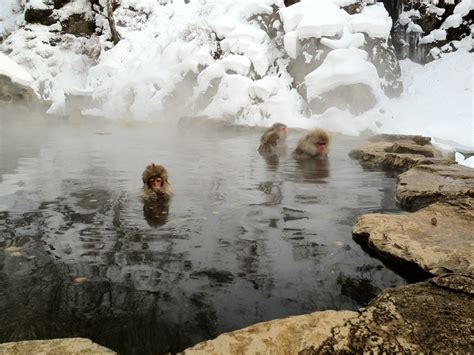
(280, 128)
(155, 184)
(269, 143)
(314, 144)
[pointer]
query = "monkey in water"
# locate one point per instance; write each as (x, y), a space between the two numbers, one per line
(280, 128)
(273, 141)
(269, 143)
(314, 144)
(156, 187)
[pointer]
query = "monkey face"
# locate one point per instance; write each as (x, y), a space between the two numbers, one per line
(283, 132)
(321, 148)
(155, 183)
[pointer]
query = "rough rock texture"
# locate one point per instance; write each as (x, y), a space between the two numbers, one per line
(79, 25)
(437, 239)
(15, 93)
(54, 346)
(281, 336)
(425, 184)
(432, 316)
(398, 152)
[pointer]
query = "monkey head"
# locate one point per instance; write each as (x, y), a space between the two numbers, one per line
(155, 182)
(281, 129)
(314, 144)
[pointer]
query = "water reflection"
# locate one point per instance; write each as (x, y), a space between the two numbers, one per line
(314, 170)
(156, 213)
(81, 255)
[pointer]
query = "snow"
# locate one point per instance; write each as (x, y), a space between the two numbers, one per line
(435, 35)
(342, 67)
(373, 20)
(179, 49)
(464, 7)
(437, 100)
(322, 18)
(14, 71)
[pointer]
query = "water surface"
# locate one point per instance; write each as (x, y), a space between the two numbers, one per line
(246, 240)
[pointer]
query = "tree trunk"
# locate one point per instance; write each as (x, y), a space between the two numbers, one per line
(110, 18)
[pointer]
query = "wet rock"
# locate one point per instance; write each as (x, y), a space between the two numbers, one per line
(425, 184)
(399, 152)
(54, 346)
(432, 316)
(435, 240)
(281, 336)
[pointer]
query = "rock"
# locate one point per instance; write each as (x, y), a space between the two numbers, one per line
(412, 148)
(432, 316)
(42, 16)
(16, 93)
(399, 155)
(418, 20)
(420, 140)
(54, 346)
(281, 336)
(355, 98)
(434, 240)
(79, 25)
(383, 56)
(425, 184)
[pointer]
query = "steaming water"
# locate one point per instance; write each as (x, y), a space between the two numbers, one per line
(245, 240)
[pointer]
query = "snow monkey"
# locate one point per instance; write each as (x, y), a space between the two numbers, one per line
(280, 128)
(269, 143)
(314, 144)
(155, 184)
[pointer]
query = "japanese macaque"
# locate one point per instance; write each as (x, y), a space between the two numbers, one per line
(269, 143)
(280, 128)
(314, 144)
(155, 184)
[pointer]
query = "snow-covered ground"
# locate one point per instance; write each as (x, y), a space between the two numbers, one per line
(162, 45)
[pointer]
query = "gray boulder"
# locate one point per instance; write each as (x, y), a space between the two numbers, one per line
(426, 184)
(398, 152)
(432, 241)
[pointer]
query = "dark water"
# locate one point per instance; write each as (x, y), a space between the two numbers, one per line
(245, 240)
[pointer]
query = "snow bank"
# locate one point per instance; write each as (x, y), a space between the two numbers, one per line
(342, 67)
(14, 71)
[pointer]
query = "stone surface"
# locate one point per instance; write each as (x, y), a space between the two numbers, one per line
(398, 154)
(281, 336)
(432, 316)
(436, 240)
(425, 184)
(436, 316)
(54, 346)
(16, 93)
